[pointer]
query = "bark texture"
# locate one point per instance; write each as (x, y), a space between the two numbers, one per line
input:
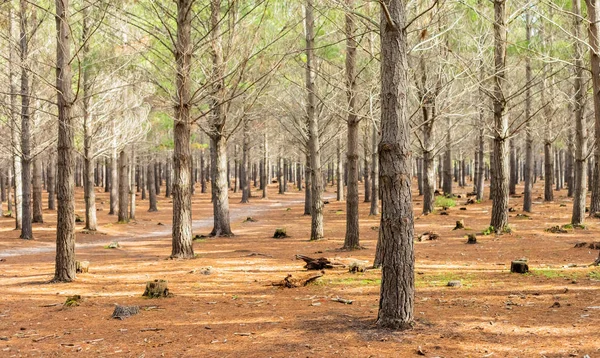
(397, 292)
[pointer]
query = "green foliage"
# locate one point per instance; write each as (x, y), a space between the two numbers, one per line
(442, 201)
(489, 230)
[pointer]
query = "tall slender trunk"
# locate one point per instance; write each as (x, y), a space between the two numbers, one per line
(38, 216)
(51, 185)
(351, 240)
(245, 175)
(168, 179)
(265, 166)
(132, 184)
(26, 159)
(514, 168)
(314, 146)
(447, 184)
(397, 292)
(15, 127)
(580, 189)
(114, 183)
(501, 191)
(374, 210)
(366, 170)
(65, 228)
(151, 186)
(529, 165)
(88, 155)
(123, 214)
(594, 41)
(339, 172)
(308, 185)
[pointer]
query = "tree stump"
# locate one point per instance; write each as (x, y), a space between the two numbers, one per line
(519, 266)
(82, 266)
(156, 289)
(122, 312)
(356, 266)
(460, 224)
(471, 239)
(455, 283)
(73, 301)
(280, 234)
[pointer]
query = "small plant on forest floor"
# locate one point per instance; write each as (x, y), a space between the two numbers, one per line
(489, 230)
(507, 229)
(594, 275)
(441, 201)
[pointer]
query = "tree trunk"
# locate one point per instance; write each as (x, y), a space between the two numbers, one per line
(501, 191)
(245, 175)
(374, 170)
(114, 183)
(529, 165)
(151, 186)
(580, 191)
(265, 167)
(594, 41)
(514, 169)
(314, 146)
(51, 185)
(38, 216)
(366, 171)
(123, 214)
(340, 171)
(168, 183)
(351, 240)
(308, 185)
(447, 184)
(222, 226)
(26, 159)
(65, 228)
(132, 184)
(397, 292)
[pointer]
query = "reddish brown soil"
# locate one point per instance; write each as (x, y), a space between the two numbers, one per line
(235, 312)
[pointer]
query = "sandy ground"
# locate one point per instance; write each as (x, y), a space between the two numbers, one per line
(235, 311)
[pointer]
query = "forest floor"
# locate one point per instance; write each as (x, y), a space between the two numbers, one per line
(554, 311)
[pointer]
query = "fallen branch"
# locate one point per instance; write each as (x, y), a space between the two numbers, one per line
(315, 264)
(342, 300)
(293, 282)
(150, 329)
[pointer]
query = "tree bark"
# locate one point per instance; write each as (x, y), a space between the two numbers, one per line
(374, 210)
(114, 183)
(314, 146)
(529, 165)
(265, 166)
(594, 42)
(397, 292)
(151, 186)
(308, 185)
(26, 159)
(501, 191)
(132, 184)
(51, 185)
(339, 172)
(38, 216)
(222, 226)
(245, 171)
(65, 228)
(580, 189)
(123, 214)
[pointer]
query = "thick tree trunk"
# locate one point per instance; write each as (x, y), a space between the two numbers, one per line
(65, 228)
(314, 146)
(222, 226)
(396, 302)
(594, 41)
(351, 240)
(501, 191)
(123, 214)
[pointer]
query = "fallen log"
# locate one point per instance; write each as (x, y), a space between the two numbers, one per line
(315, 264)
(291, 281)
